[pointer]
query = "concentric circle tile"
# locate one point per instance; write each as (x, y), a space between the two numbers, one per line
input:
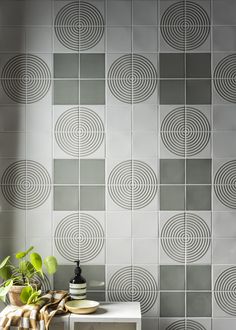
(224, 291)
(185, 25)
(186, 324)
(185, 131)
(79, 25)
(225, 78)
(132, 184)
(132, 78)
(185, 237)
(79, 132)
(26, 184)
(79, 236)
(128, 284)
(26, 78)
(225, 184)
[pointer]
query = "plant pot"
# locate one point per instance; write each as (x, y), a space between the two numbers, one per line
(15, 291)
(14, 295)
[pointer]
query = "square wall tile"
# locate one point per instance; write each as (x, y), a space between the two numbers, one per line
(66, 65)
(198, 197)
(224, 224)
(92, 198)
(223, 12)
(144, 224)
(172, 91)
(198, 171)
(119, 39)
(199, 278)
(172, 277)
(66, 198)
(92, 171)
(172, 304)
(92, 92)
(220, 141)
(140, 255)
(172, 65)
(224, 251)
(224, 117)
(172, 171)
(144, 12)
(66, 171)
(119, 12)
(145, 39)
(198, 65)
(92, 66)
(224, 38)
(198, 91)
(172, 197)
(118, 224)
(199, 304)
(118, 251)
(66, 92)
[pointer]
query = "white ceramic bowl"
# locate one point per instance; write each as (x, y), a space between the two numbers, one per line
(82, 306)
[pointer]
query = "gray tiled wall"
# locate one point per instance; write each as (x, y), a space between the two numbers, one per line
(117, 146)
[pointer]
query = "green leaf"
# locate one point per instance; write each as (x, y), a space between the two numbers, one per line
(34, 297)
(5, 289)
(36, 261)
(20, 254)
(4, 262)
(5, 273)
(25, 294)
(50, 263)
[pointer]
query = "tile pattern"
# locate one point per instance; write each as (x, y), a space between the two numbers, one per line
(117, 129)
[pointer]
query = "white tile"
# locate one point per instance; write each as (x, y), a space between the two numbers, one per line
(145, 117)
(145, 144)
(39, 224)
(224, 251)
(224, 117)
(39, 119)
(39, 39)
(118, 251)
(145, 12)
(224, 224)
(119, 118)
(119, 39)
(145, 251)
(144, 224)
(119, 144)
(145, 39)
(118, 224)
(224, 323)
(222, 139)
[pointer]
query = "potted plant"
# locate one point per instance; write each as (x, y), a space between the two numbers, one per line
(19, 278)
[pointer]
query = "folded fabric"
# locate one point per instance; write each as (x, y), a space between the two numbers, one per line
(37, 316)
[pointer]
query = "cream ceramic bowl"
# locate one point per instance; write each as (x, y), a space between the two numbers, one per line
(82, 306)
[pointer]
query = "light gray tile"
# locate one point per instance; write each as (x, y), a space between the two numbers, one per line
(224, 224)
(66, 198)
(12, 118)
(119, 39)
(119, 12)
(224, 117)
(223, 12)
(224, 251)
(92, 171)
(222, 139)
(145, 39)
(144, 12)
(223, 323)
(224, 38)
(66, 171)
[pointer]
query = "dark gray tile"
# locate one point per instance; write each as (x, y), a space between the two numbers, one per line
(97, 296)
(198, 91)
(92, 198)
(199, 304)
(66, 198)
(172, 277)
(66, 66)
(172, 304)
(92, 92)
(92, 65)
(66, 171)
(198, 198)
(172, 171)
(172, 65)
(199, 277)
(66, 92)
(94, 275)
(172, 198)
(198, 171)
(172, 92)
(198, 65)
(92, 171)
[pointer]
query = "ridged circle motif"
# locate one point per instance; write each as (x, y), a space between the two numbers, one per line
(225, 291)
(185, 325)
(26, 184)
(79, 26)
(79, 236)
(185, 25)
(132, 78)
(185, 237)
(133, 283)
(45, 283)
(132, 184)
(225, 78)
(26, 78)
(225, 184)
(79, 131)
(185, 131)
